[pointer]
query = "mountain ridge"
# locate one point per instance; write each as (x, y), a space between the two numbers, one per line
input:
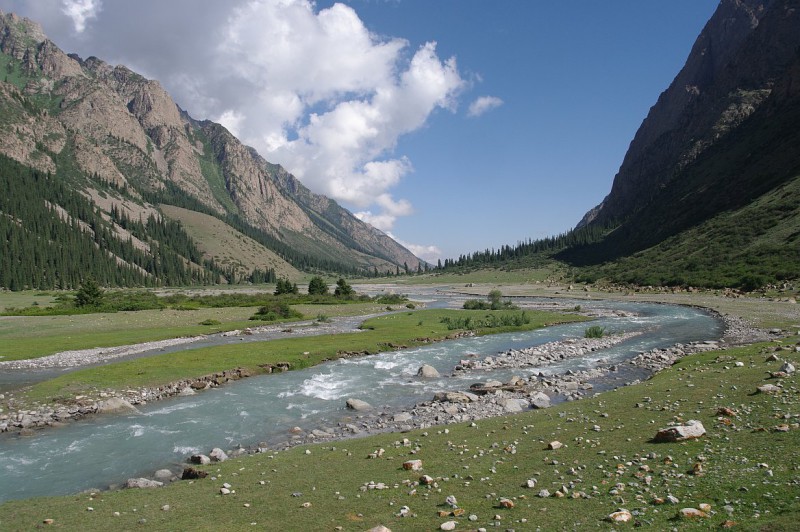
(98, 125)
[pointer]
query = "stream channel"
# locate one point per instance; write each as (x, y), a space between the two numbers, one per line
(106, 450)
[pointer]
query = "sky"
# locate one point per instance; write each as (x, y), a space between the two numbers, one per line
(452, 125)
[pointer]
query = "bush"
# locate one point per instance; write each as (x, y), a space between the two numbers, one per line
(317, 286)
(595, 331)
(275, 311)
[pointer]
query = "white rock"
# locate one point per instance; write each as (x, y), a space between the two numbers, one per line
(358, 405)
(690, 430)
(428, 372)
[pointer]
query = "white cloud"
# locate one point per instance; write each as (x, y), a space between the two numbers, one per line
(80, 11)
(484, 104)
(428, 253)
(329, 100)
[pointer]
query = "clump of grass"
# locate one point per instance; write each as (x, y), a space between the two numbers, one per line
(595, 331)
(323, 318)
(210, 322)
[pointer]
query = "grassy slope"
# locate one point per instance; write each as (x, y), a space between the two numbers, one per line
(381, 334)
(761, 239)
(228, 247)
(481, 464)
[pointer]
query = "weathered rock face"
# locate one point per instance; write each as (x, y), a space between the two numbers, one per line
(729, 73)
(124, 129)
(718, 138)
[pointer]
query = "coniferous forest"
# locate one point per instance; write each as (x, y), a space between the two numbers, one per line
(52, 237)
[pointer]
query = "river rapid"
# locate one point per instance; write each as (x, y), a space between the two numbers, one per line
(105, 451)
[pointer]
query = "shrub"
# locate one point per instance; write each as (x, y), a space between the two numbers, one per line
(595, 331)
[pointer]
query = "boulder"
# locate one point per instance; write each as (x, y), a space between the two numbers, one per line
(412, 465)
(402, 417)
(452, 397)
(689, 431)
(217, 455)
(143, 483)
(768, 388)
(163, 475)
(200, 459)
(116, 405)
(428, 372)
(787, 368)
(540, 400)
(620, 516)
(512, 405)
(358, 405)
(190, 473)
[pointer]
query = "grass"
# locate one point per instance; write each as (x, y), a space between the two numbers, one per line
(85, 331)
(746, 464)
(217, 240)
(381, 334)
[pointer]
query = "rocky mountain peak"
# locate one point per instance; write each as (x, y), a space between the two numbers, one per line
(729, 73)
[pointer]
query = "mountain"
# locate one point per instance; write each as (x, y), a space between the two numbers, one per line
(122, 143)
(721, 142)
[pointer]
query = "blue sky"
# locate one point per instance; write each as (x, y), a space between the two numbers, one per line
(357, 100)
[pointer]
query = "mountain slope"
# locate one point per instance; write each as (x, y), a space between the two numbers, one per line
(724, 135)
(96, 126)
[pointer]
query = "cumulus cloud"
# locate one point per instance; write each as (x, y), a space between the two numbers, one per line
(332, 99)
(484, 104)
(80, 11)
(311, 89)
(428, 253)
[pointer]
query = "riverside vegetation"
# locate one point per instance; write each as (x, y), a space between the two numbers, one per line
(607, 460)
(507, 471)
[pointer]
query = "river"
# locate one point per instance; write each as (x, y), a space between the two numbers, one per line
(106, 450)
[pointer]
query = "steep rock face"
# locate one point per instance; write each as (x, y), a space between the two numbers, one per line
(744, 49)
(125, 129)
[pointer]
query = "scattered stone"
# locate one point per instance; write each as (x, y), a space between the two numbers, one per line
(200, 459)
(787, 368)
(165, 508)
(116, 405)
(163, 475)
(48, 521)
(690, 430)
(218, 455)
(448, 525)
(190, 473)
(426, 480)
(143, 483)
(428, 372)
(620, 516)
(402, 417)
(768, 388)
(412, 465)
(358, 405)
(451, 501)
(506, 503)
(691, 513)
(379, 528)
(530, 483)
(553, 445)
(540, 400)
(544, 493)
